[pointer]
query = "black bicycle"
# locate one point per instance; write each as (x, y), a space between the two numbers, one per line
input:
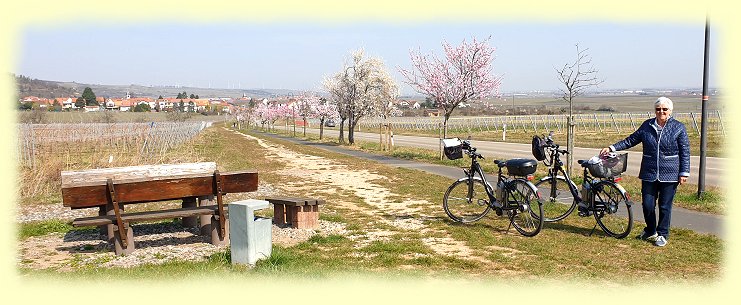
(601, 195)
(472, 197)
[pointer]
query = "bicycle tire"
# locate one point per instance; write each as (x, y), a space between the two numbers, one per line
(464, 207)
(610, 208)
(559, 205)
(527, 217)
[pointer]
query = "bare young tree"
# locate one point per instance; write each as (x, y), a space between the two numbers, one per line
(576, 78)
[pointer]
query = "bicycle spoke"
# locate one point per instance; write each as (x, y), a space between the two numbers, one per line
(464, 204)
(612, 212)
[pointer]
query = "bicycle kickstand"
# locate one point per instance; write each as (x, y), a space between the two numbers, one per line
(595, 227)
(511, 217)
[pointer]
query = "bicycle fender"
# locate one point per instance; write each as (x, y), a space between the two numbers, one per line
(624, 192)
(532, 187)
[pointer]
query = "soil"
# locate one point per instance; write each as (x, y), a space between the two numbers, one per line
(162, 242)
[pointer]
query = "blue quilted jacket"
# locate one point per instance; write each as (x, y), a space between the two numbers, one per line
(666, 157)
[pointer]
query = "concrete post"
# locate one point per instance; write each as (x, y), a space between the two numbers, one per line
(205, 220)
(190, 221)
(251, 238)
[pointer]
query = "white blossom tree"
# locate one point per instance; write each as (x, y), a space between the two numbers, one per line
(360, 88)
(464, 74)
(305, 105)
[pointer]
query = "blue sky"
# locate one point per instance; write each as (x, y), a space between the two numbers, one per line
(298, 55)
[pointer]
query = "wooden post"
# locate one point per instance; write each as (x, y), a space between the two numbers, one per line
(114, 238)
(380, 136)
(694, 122)
(391, 137)
(720, 120)
(614, 123)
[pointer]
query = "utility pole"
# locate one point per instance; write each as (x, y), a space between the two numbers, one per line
(703, 124)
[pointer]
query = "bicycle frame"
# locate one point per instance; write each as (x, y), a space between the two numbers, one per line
(476, 169)
(493, 201)
(557, 168)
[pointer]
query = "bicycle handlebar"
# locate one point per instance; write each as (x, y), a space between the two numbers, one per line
(470, 150)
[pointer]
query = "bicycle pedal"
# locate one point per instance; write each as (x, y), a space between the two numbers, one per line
(498, 211)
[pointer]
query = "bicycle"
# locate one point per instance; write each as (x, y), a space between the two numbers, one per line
(601, 195)
(472, 197)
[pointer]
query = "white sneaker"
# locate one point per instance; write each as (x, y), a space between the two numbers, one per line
(645, 236)
(660, 241)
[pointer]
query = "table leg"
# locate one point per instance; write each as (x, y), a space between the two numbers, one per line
(114, 239)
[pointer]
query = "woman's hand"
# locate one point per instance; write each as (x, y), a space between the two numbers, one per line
(682, 180)
(604, 151)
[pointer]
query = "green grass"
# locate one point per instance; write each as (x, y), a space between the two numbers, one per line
(41, 228)
(562, 251)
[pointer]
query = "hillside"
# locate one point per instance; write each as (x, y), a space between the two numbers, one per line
(27, 86)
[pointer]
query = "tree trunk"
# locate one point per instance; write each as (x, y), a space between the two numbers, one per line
(304, 127)
(570, 140)
(445, 132)
(342, 130)
(321, 128)
(350, 129)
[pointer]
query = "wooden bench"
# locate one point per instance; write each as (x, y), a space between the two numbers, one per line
(196, 184)
(300, 213)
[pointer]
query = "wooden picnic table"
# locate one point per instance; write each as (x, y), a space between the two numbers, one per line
(110, 189)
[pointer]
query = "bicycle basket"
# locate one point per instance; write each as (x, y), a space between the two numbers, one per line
(453, 148)
(608, 168)
(539, 148)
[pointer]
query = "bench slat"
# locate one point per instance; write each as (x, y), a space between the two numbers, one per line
(293, 201)
(139, 173)
(159, 190)
(144, 216)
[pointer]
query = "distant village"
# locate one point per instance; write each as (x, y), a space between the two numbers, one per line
(167, 104)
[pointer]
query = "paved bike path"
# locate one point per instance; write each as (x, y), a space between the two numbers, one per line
(682, 218)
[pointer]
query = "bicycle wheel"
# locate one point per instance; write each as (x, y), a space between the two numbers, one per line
(466, 200)
(612, 210)
(526, 214)
(558, 203)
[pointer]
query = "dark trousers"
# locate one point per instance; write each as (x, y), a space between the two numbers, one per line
(663, 192)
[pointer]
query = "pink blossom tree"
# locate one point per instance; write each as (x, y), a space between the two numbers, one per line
(324, 110)
(464, 74)
(305, 105)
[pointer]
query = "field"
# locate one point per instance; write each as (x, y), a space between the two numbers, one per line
(621, 103)
(66, 117)
(393, 227)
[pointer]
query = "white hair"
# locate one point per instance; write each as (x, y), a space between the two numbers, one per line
(666, 101)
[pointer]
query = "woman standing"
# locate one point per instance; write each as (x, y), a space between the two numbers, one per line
(665, 165)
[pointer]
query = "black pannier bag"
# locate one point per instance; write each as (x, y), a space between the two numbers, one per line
(521, 167)
(539, 148)
(453, 148)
